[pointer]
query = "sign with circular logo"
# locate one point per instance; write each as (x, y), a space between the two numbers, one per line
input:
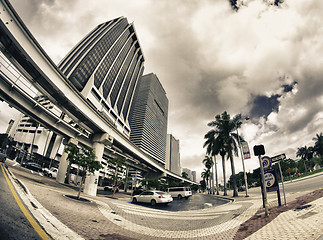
(266, 162)
(269, 179)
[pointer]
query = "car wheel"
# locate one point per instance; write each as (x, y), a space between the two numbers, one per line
(153, 202)
(134, 200)
(180, 196)
(50, 175)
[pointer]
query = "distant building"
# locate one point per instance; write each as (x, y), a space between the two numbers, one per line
(189, 173)
(149, 118)
(30, 137)
(194, 176)
(11, 123)
(106, 67)
(173, 155)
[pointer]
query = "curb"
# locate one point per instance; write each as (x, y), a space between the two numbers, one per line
(55, 228)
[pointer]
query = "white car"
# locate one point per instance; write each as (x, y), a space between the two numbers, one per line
(52, 172)
(153, 197)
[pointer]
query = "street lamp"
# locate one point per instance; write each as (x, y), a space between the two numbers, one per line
(241, 153)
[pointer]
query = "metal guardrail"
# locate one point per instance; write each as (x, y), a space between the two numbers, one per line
(24, 85)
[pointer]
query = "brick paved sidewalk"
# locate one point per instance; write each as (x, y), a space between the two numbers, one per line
(114, 218)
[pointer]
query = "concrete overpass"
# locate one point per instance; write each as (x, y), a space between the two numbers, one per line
(25, 53)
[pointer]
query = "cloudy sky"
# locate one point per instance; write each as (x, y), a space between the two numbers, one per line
(260, 60)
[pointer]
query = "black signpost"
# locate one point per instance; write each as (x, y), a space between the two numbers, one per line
(278, 158)
(258, 151)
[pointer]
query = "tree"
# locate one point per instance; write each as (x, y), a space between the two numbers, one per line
(208, 162)
(118, 163)
(205, 175)
(224, 138)
(306, 154)
(185, 175)
(318, 145)
(85, 159)
(73, 155)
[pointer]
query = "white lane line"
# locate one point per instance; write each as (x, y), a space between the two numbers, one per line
(165, 216)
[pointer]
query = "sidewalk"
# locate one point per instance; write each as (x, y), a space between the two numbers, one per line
(104, 217)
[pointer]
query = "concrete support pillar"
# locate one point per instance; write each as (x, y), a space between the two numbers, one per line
(92, 179)
(63, 163)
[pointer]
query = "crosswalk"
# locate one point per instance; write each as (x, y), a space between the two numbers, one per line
(125, 214)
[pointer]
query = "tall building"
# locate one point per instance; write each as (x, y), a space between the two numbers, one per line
(106, 67)
(173, 155)
(149, 118)
(189, 173)
(194, 176)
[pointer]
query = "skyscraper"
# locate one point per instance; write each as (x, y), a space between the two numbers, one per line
(106, 67)
(173, 155)
(149, 118)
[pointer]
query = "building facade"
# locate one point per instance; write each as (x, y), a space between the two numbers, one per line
(194, 176)
(32, 138)
(106, 67)
(149, 118)
(189, 173)
(173, 155)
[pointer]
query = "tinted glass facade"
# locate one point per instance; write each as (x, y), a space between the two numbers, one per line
(106, 67)
(149, 118)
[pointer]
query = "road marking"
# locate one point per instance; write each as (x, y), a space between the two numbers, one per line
(180, 234)
(31, 220)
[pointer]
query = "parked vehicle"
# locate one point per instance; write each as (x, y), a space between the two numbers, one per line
(137, 192)
(52, 172)
(241, 188)
(152, 197)
(32, 166)
(180, 192)
(111, 188)
(3, 157)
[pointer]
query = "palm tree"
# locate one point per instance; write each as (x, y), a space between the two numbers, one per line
(306, 154)
(224, 138)
(208, 162)
(205, 175)
(222, 153)
(318, 146)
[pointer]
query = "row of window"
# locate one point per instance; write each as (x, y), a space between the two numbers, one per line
(85, 69)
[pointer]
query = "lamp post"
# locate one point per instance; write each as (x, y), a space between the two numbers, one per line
(244, 170)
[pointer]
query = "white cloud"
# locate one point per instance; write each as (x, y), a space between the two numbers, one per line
(211, 59)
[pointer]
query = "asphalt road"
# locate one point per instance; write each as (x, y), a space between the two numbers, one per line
(196, 202)
(309, 183)
(13, 223)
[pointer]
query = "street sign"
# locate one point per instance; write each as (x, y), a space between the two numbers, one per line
(246, 151)
(266, 162)
(259, 150)
(278, 158)
(271, 180)
(271, 183)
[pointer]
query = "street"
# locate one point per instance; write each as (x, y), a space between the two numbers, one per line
(13, 223)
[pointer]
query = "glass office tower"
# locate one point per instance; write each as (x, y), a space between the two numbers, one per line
(149, 118)
(106, 67)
